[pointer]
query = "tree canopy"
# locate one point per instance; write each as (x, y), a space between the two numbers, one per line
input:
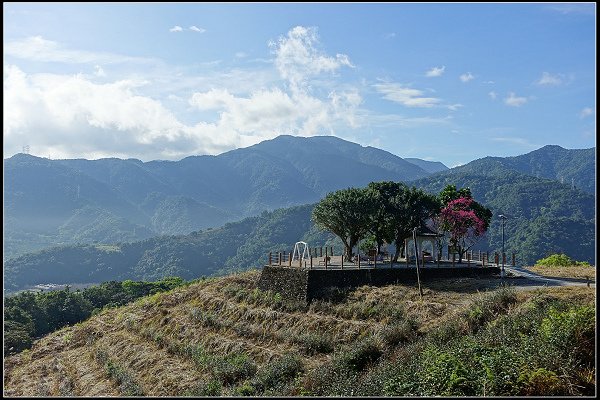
(347, 213)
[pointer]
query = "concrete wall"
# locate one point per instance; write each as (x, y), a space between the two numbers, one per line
(289, 282)
(305, 285)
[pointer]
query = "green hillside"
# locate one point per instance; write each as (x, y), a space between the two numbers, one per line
(138, 200)
(235, 246)
(544, 216)
(226, 337)
(79, 204)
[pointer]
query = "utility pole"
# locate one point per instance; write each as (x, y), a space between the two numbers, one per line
(502, 219)
(416, 261)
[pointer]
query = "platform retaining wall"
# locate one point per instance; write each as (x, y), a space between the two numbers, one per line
(305, 284)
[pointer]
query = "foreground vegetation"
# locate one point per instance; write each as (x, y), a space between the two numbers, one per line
(562, 266)
(28, 315)
(223, 336)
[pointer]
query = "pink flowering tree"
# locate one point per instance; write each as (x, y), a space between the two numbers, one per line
(466, 221)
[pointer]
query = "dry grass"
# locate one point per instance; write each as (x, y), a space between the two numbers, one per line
(169, 343)
(574, 271)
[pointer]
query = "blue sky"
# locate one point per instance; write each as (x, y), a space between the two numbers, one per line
(442, 82)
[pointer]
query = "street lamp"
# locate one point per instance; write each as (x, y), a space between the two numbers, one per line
(502, 218)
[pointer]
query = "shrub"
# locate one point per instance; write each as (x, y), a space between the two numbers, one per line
(313, 343)
(540, 382)
(571, 332)
(359, 356)
(278, 372)
(203, 389)
(556, 260)
(17, 337)
(488, 307)
(399, 332)
(443, 373)
(246, 390)
(582, 264)
(232, 368)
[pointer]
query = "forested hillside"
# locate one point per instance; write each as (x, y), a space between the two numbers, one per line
(235, 246)
(107, 206)
(55, 202)
(544, 216)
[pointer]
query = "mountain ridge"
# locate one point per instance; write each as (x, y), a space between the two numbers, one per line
(147, 199)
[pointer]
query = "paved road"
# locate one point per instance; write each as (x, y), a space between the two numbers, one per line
(523, 279)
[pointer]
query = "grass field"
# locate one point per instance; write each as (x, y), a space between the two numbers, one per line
(574, 271)
(225, 337)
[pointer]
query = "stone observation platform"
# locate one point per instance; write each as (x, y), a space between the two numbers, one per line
(306, 284)
(309, 273)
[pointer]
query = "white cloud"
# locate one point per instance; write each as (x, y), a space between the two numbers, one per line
(406, 96)
(435, 71)
(241, 54)
(493, 95)
(98, 71)
(548, 79)
(196, 29)
(36, 48)
(586, 9)
(515, 101)
(73, 116)
(176, 28)
(297, 57)
(586, 112)
(70, 116)
(268, 113)
(403, 122)
(467, 77)
(516, 140)
(454, 107)
(390, 35)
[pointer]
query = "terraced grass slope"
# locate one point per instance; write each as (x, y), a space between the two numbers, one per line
(223, 336)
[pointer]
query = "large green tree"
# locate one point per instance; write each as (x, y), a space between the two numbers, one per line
(347, 213)
(382, 218)
(411, 208)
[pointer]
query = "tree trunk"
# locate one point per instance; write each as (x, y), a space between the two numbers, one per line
(461, 253)
(399, 247)
(396, 254)
(348, 251)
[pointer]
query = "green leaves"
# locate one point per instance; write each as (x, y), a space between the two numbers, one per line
(387, 210)
(347, 213)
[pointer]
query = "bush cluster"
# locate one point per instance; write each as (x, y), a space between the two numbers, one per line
(560, 260)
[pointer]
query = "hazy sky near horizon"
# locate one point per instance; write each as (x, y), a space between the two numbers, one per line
(441, 82)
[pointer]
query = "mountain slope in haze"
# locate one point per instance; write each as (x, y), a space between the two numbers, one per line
(61, 202)
(544, 216)
(177, 197)
(573, 167)
(235, 246)
(429, 166)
